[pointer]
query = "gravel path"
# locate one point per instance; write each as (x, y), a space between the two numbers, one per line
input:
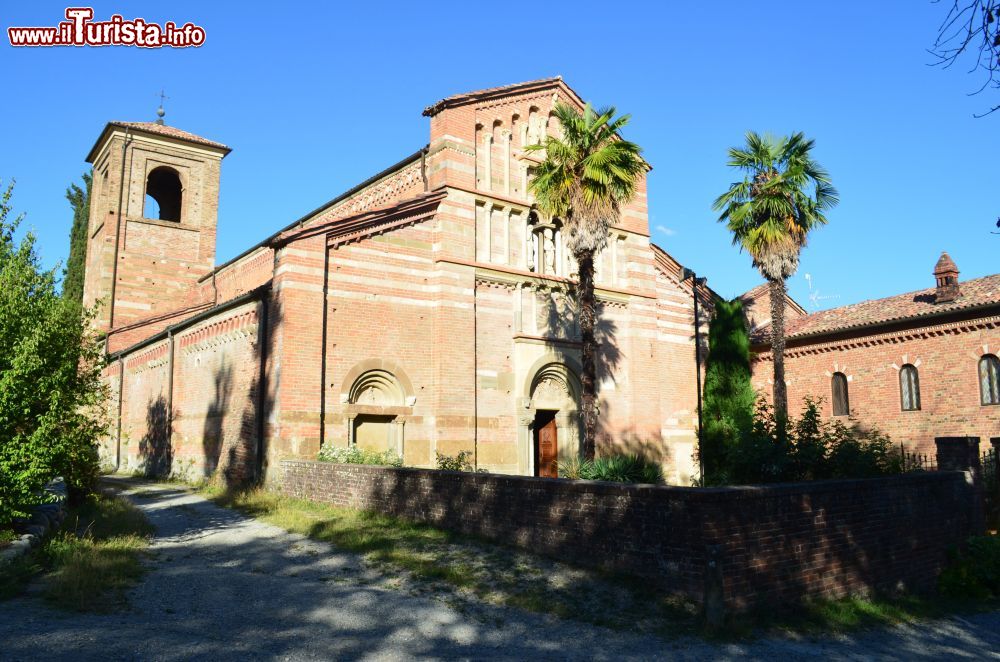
(223, 586)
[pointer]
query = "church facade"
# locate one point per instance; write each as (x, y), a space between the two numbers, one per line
(426, 311)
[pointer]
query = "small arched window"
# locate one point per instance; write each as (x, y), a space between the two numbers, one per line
(163, 185)
(909, 388)
(841, 402)
(989, 380)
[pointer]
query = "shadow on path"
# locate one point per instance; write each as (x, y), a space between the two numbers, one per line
(223, 586)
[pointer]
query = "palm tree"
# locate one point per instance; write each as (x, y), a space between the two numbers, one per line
(783, 196)
(589, 172)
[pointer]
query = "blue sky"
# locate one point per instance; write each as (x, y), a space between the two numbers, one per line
(315, 97)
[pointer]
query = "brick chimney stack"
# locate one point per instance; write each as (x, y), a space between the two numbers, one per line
(946, 276)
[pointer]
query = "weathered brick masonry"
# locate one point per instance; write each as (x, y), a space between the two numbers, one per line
(424, 311)
(777, 544)
(946, 335)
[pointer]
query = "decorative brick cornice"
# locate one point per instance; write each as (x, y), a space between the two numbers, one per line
(149, 359)
(351, 228)
(761, 352)
(220, 332)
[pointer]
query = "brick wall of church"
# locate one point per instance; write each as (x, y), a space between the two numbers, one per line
(945, 355)
(204, 419)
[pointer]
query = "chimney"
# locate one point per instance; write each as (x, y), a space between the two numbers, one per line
(946, 276)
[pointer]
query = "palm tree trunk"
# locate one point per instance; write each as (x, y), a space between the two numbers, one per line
(778, 347)
(588, 351)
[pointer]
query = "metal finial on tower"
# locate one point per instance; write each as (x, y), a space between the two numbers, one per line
(159, 111)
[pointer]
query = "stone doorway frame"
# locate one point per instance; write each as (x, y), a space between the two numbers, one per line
(397, 403)
(549, 375)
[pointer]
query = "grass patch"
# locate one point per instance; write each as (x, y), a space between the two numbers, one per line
(854, 613)
(508, 576)
(471, 567)
(7, 536)
(90, 562)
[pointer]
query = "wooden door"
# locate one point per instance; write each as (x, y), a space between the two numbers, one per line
(547, 455)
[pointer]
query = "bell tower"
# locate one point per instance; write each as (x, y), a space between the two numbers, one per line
(153, 216)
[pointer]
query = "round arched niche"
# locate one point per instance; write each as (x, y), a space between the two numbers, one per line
(376, 387)
(376, 400)
(387, 378)
(554, 387)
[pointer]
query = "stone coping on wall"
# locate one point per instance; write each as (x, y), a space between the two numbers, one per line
(728, 492)
(45, 517)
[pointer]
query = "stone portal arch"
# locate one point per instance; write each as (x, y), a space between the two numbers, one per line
(377, 397)
(551, 395)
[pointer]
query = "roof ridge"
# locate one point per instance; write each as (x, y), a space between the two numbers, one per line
(980, 292)
(485, 93)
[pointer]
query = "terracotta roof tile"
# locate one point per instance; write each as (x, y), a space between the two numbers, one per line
(170, 131)
(975, 293)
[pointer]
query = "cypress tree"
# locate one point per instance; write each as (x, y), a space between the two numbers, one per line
(79, 200)
(727, 409)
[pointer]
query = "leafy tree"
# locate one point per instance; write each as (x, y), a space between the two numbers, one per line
(51, 396)
(79, 200)
(784, 195)
(588, 174)
(727, 410)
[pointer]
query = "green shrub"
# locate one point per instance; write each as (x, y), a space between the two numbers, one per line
(613, 468)
(52, 399)
(809, 448)
(571, 469)
(975, 571)
(355, 455)
(458, 462)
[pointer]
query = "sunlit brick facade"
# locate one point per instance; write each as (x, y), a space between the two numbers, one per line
(946, 338)
(424, 311)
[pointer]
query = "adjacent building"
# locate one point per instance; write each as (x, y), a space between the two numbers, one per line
(918, 365)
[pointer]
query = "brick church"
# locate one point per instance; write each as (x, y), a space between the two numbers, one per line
(425, 310)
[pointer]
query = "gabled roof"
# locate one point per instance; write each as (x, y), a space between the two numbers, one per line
(764, 289)
(669, 266)
(505, 90)
(156, 129)
(975, 294)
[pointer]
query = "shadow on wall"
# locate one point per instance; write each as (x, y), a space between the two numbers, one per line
(213, 432)
(561, 318)
(156, 456)
(836, 537)
(233, 451)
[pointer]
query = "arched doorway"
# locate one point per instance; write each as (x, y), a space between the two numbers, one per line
(551, 422)
(375, 397)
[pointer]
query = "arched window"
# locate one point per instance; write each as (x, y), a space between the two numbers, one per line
(841, 403)
(163, 185)
(909, 388)
(989, 380)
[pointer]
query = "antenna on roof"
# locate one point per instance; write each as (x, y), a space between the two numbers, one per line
(159, 111)
(814, 296)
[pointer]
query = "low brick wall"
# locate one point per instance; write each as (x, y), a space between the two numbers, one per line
(776, 543)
